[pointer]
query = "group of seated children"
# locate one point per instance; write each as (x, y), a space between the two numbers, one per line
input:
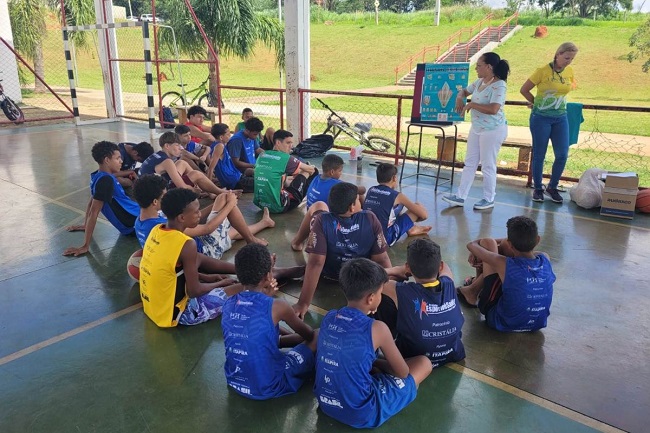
(416, 325)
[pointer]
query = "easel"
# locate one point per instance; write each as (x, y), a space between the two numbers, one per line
(440, 151)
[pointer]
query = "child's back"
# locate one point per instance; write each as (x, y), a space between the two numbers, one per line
(344, 387)
(429, 321)
(380, 200)
(254, 363)
(527, 294)
(319, 189)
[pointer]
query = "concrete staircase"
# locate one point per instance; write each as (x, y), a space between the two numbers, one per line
(485, 40)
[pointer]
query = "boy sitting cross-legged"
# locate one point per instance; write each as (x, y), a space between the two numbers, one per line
(387, 203)
(255, 366)
(517, 291)
(351, 384)
(224, 221)
(424, 315)
(317, 196)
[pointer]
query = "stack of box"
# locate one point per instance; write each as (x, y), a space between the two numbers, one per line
(619, 195)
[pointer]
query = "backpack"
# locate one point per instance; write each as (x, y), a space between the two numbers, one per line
(167, 120)
(314, 146)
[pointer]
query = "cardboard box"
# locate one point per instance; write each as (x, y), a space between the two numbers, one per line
(619, 195)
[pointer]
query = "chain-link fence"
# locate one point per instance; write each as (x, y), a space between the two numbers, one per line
(26, 94)
(387, 116)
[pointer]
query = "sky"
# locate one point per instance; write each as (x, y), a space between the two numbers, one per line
(637, 4)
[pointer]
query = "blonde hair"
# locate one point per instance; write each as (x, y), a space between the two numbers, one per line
(567, 46)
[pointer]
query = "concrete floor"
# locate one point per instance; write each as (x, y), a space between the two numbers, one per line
(78, 354)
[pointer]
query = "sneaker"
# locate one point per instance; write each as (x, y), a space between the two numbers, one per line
(554, 194)
(483, 204)
(538, 195)
(454, 200)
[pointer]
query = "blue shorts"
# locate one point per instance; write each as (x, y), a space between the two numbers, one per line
(300, 363)
(402, 224)
(205, 307)
(392, 394)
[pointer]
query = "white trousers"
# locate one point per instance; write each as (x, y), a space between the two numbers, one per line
(482, 147)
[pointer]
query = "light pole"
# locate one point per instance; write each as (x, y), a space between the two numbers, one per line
(130, 9)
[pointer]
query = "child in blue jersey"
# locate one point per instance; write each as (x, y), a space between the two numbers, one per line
(131, 154)
(107, 197)
(351, 384)
(195, 154)
(425, 314)
(343, 234)
(255, 366)
(517, 291)
(244, 147)
(222, 166)
(387, 203)
(317, 195)
(224, 221)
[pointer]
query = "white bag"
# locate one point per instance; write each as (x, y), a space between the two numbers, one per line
(588, 193)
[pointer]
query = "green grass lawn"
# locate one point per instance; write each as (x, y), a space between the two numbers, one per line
(356, 54)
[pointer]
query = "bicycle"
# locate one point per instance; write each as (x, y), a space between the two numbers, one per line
(360, 132)
(11, 110)
(202, 93)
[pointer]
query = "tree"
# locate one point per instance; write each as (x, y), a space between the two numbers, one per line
(232, 26)
(640, 40)
(28, 24)
(28, 21)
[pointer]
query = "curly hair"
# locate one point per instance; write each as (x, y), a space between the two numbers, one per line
(102, 150)
(252, 263)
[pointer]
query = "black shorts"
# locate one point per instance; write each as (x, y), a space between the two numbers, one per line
(387, 313)
(490, 293)
(246, 183)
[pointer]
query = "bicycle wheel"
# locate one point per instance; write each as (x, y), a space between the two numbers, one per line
(12, 111)
(207, 100)
(382, 144)
(172, 99)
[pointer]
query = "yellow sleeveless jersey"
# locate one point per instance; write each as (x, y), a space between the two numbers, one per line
(162, 283)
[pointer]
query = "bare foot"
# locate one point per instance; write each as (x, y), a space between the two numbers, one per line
(296, 246)
(292, 272)
(419, 230)
(266, 219)
(466, 296)
(260, 241)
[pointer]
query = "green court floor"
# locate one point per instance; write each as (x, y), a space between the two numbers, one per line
(77, 353)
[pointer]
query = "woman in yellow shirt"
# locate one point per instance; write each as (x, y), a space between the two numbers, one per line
(548, 119)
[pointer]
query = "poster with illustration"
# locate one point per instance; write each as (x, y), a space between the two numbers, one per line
(436, 88)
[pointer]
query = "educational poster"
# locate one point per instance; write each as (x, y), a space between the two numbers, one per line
(436, 88)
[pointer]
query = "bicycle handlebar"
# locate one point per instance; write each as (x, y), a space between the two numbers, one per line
(334, 113)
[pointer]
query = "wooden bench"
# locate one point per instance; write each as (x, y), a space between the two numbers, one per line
(213, 113)
(523, 161)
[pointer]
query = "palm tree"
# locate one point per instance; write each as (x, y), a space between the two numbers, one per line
(28, 21)
(28, 24)
(232, 26)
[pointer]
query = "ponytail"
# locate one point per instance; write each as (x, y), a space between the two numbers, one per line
(501, 70)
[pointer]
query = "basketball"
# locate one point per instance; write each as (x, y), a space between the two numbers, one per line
(643, 201)
(133, 266)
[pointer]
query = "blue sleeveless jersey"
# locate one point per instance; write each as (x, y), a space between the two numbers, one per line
(248, 147)
(127, 162)
(255, 367)
(226, 171)
(319, 190)
(343, 386)
(429, 321)
(120, 197)
(347, 239)
(380, 200)
(527, 294)
(149, 164)
(143, 228)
